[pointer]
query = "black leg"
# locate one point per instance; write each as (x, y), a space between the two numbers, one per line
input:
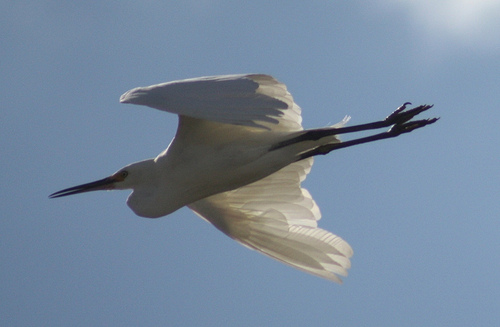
(394, 131)
(398, 117)
(400, 120)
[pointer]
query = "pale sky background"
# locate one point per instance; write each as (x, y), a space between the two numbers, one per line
(422, 212)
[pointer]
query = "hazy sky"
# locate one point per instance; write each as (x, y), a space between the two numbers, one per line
(421, 211)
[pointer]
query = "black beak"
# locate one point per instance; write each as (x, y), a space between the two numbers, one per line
(102, 184)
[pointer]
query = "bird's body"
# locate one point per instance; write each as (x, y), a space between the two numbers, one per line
(206, 158)
(238, 159)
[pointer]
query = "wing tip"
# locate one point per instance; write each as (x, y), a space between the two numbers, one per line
(125, 97)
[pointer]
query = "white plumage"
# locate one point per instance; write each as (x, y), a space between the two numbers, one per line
(237, 160)
(277, 217)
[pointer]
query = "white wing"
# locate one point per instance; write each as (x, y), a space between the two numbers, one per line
(250, 100)
(278, 218)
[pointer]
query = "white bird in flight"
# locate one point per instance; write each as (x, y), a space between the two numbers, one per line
(238, 159)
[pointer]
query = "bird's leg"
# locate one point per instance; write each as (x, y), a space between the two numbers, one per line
(400, 121)
(394, 131)
(398, 118)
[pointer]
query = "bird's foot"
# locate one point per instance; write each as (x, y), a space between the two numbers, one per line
(407, 127)
(400, 116)
(400, 120)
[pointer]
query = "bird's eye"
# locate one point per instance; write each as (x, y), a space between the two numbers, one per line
(124, 173)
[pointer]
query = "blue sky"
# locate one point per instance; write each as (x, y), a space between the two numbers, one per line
(421, 211)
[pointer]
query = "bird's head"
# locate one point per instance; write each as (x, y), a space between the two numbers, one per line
(129, 177)
(141, 177)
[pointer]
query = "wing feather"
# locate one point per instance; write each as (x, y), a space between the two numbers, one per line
(250, 100)
(278, 218)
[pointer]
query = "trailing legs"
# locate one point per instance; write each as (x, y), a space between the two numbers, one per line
(399, 122)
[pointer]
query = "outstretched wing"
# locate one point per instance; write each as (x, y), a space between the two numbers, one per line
(278, 218)
(250, 100)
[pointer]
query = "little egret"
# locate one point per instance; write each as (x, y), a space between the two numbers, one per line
(238, 159)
